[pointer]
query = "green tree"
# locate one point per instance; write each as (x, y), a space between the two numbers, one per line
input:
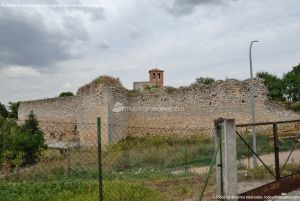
(6, 128)
(204, 81)
(275, 85)
(13, 107)
(27, 139)
(291, 82)
(67, 93)
(31, 138)
(2, 120)
(3, 110)
(31, 123)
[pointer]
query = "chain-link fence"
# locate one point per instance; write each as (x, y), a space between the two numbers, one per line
(148, 163)
(61, 170)
(173, 162)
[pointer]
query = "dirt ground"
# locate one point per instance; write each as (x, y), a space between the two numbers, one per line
(268, 159)
(248, 185)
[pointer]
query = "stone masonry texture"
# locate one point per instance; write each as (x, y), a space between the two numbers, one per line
(166, 111)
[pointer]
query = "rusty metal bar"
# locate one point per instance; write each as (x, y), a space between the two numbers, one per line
(283, 185)
(256, 155)
(276, 151)
(268, 123)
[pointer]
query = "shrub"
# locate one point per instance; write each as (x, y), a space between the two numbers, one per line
(291, 168)
(13, 107)
(259, 172)
(27, 139)
(150, 87)
(295, 106)
(2, 120)
(133, 92)
(275, 85)
(3, 110)
(65, 94)
(170, 90)
(203, 81)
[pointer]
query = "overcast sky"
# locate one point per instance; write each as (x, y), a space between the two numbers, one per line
(47, 48)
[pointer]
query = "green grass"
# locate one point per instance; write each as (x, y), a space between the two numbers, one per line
(133, 169)
(261, 172)
(265, 145)
(294, 106)
(141, 174)
(155, 151)
(164, 152)
(77, 190)
(144, 158)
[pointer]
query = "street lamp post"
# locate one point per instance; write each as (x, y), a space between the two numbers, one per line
(253, 105)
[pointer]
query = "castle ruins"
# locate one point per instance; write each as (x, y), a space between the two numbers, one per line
(154, 112)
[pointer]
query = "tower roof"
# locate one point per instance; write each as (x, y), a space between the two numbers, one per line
(155, 70)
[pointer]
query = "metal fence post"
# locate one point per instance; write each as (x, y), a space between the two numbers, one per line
(276, 151)
(69, 162)
(185, 159)
(99, 159)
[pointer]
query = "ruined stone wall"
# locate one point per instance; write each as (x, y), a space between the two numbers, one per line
(96, 103)
(75, 118)
(61, 108)
(92, 104)
(57, 117)
(190, 110)
(118, 121)
(183, 111)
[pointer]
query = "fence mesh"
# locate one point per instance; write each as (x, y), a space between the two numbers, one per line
(164, 164)
(137, 163)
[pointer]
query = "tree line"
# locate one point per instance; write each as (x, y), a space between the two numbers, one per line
(11, 112)
(285, 88)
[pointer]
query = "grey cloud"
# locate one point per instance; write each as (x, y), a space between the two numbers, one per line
(91, 8)
(103, 46)
(95, 13)
(74, 29)
(25, 39)
(186, 7)
(134, 32)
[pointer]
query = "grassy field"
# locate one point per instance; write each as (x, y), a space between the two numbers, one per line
(261, 173)
(265, 145)
(155, 151)
(77, 190)
(134, 169)
(181, 152)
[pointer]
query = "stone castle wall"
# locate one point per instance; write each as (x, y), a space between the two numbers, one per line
(182, 111)
(51, 113)
(191, 110)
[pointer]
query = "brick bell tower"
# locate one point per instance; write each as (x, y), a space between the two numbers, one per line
(156, 76)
